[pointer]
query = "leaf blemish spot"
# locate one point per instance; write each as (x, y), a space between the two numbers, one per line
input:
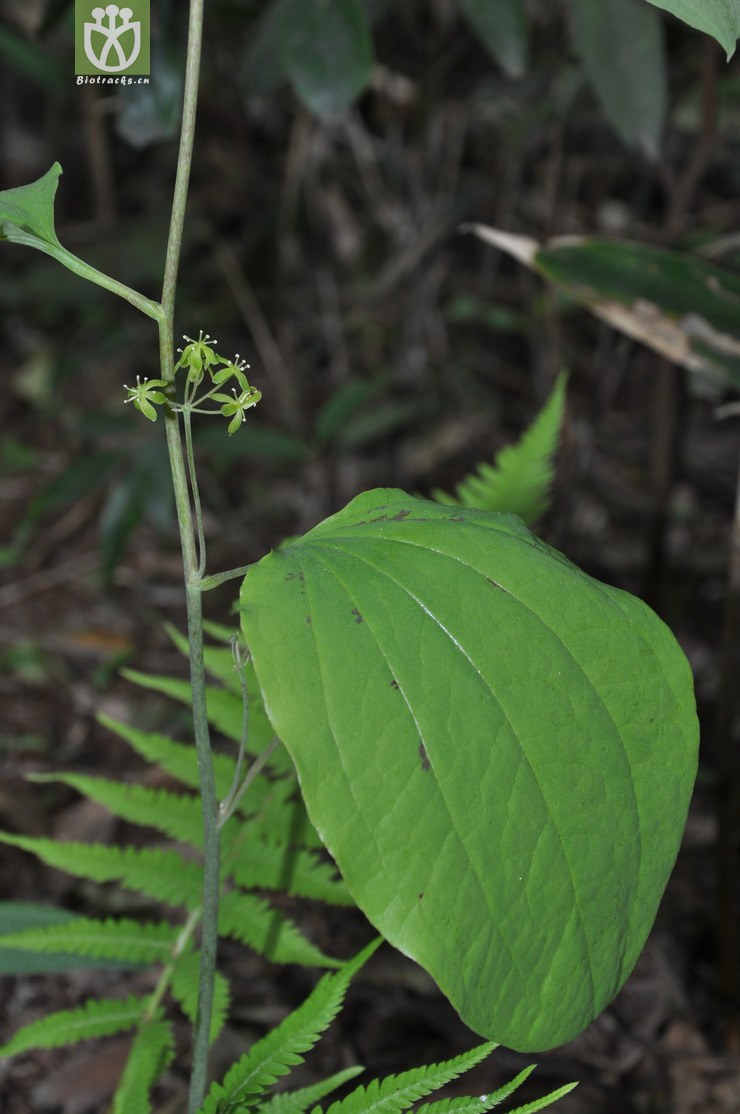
(425, 763)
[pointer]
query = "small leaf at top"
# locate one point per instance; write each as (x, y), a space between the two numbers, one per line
(29, 210)
(497, 750)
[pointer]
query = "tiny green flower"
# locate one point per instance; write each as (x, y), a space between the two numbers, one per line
(236, 407)
(144, 394)
(231, 368)
(197, 356)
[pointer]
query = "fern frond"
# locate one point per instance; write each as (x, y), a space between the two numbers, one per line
(399, 1092)
(224, 710)
(161, 874)
(98, 1017)
(263, 865)
(151, 1052)
(521, 476)
(476, 1104)
(116, 938)
(253, 921)
(285, 1045)
(280, 818)
(547, 1100)
(295, 1102)
(224, 707)
(184, 987)
(178, 759)
(178, 815)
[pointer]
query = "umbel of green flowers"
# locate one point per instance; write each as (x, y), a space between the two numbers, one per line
(197, 358)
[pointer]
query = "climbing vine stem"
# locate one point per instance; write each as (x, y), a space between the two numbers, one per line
(192, 573)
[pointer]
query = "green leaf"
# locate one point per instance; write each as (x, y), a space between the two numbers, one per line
(253, 921)
(178, 815)
(503, 29)
(15, 916)
(546, 1100)
(295, 1102)
(184, 988)
(99, 1017)
(469, 1104)
(620, 44)
(152, 1050)
(521, 477)
(284, 1046)
(399, 1092)
(719, 18)
(477, 725)
(224, 710)
(287, 869)
(27, 217)
(327, 52)
(116, 938)
(156, 872)
(178, 759)
(27, 212)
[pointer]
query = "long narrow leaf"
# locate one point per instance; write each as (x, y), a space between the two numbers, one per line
(152, 1050)
(176, 814)
(399, 1092)
(254, 922)
(295, 1102)
(98, 1017)
(161, 874)
(476, 1104)
(288, 869)
(547, 1100)
(117, 938)
(184, 987)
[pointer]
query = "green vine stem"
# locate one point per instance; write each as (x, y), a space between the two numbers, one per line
(192, 573)
(92, 274)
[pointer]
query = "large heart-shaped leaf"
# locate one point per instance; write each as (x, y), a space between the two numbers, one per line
(497, 750)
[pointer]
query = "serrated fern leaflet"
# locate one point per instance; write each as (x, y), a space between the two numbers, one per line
(99, 1017)
(284, 1046)
(399, 1092)
(151, 1052)
(121, 939)
(520, 478)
